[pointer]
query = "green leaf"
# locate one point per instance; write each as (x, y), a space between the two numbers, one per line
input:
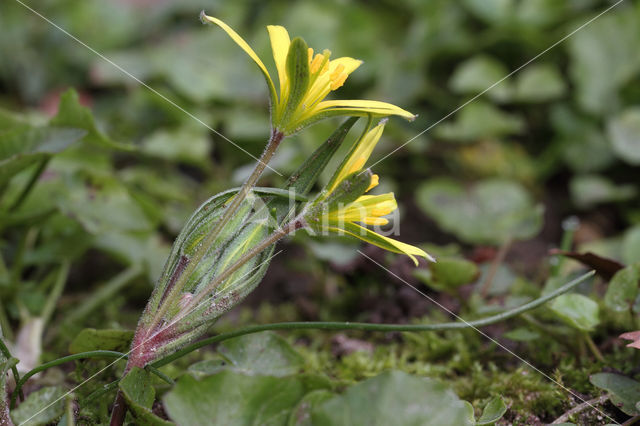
(480, 120)
(230, 398)
(492, 412)
(24, 147)
(631, 245)
(583, 146)
(91, 339)
(522, 334)
(395, 397)
(589, 190)
(491, 211)
(188, 145)
(624, 133)
(107, 209)
(448, 273)
(72, 114)
(305, 177)
(140, 394)
(477, 74)
(624, 392)
(261, 354)
(539, 83)
(577, 310)
(623, 289)
(301, 414)
(607, 47)
(41, 407)
(495, 12)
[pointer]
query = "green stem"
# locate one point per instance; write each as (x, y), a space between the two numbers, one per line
(99, 297)
(206, 292)
(97, 394)
(594, 349)
(14, 370)
(375, 327)
(56, 292)
(83, 355)
(160, 374)
(29, 186)
(69, 411)
(569, 225)
(5, 326)
(59, 361)
(272, 145)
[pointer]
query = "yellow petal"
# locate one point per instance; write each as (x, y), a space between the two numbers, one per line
(349, 64)
(365, 107)
(375, 180)
(245, 46)
(280, 42)
(358, 156)
(364, 207)
(381, 241)
(380, 221)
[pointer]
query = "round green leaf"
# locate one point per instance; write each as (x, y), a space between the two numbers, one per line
(490, 212)
(395, 398)
(577, 310)
(623, 289)
(624, 132)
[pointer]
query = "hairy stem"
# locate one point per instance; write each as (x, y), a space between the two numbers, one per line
(256, 250)
(236, 201)
(14, 370)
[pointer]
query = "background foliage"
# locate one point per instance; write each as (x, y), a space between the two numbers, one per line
(98, 174)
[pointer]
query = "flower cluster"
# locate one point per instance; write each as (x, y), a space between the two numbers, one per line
(343, 218)
(305, 79)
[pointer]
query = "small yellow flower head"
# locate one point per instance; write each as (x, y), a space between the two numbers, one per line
(305, 79)
(342, 206)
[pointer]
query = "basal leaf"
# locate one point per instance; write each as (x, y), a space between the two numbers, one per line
(625, 392)
(394, 397)
(577, 310)
(261, 354)
(230, 398)
(91, 339)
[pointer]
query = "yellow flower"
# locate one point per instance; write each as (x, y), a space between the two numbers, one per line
(305, 79)
(366, 209)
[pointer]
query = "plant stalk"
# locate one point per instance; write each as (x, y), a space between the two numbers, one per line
(236, 201)
(256, 250)
(120, 408)
(376, 327)
(593, 347)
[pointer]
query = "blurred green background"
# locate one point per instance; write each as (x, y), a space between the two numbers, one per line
(560, 138)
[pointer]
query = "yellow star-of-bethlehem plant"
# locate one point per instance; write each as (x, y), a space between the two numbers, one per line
(342, 207)
(305, 79)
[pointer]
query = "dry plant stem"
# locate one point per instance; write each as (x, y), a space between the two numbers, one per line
(272, 146)
(579, 408)
(493, 269)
